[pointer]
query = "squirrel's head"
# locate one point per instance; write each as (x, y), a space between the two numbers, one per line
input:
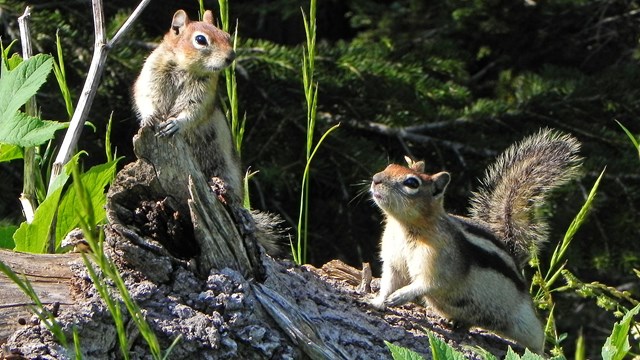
(199, 46)
(407, 193)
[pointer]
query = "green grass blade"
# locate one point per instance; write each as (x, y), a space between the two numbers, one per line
(61, 76)
(76, 344)
(633, 139)
(561, 249)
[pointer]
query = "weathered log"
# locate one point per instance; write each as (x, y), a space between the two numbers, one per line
(50, 277)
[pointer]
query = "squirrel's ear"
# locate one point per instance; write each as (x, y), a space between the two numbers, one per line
(417, 166)
(208, 17)
(180, 20)
(440, 182)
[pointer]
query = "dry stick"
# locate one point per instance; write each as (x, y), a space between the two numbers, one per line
(28, 196)
(100, 51)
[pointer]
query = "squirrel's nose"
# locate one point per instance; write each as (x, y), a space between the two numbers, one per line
(231, 57)
(377, 178)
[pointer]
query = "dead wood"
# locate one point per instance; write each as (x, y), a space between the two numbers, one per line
(191, 264)
(50, 277)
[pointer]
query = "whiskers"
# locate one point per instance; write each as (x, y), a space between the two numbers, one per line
(362, 192)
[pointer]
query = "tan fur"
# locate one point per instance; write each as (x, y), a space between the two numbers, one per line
(176, 94)
(468, 269)
(516, 185)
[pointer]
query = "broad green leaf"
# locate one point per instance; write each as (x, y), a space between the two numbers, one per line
(14, 61)
(401, 353)
(21, 83)
(94, 180)
(27, 131)
(617, 345)
(10, 152)
(33, 237)
(6, 236)
(442, 351)
(16, 87)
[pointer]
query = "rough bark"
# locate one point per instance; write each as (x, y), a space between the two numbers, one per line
(191, 264)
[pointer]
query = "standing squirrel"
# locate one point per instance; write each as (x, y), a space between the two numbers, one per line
(470, 269)
(176, 95)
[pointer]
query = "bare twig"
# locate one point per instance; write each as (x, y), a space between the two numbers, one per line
(100, 51)
(28, 198)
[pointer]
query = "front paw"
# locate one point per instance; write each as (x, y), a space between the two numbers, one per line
(398, 298)
(378, 302)
(168, 128)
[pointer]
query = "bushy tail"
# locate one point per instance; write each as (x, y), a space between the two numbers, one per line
(518, 183)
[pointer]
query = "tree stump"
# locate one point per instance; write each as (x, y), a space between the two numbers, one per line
(192, 265)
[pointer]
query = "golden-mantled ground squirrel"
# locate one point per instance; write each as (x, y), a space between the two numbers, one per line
(469, 269)
(176, 94)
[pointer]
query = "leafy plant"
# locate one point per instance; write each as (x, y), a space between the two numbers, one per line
(16, 87)
(440, 350)
(55, 216)
(544, 283)
(617, 345)
(402, 353)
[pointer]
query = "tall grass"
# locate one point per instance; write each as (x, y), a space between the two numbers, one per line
(236, 124)
(299, 250)
(545, 281)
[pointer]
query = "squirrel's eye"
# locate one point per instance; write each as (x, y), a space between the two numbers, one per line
(411, 182)
(201, 40)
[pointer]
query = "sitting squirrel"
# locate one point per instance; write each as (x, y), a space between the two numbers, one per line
(176, 94)
(470, 269)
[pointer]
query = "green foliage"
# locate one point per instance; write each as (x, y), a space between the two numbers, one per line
(35, 237)
(545, 283)
(96, 179)
(402, 353)
(10, 152)
(617, 345)
(528, 355)
(6, 236)
(556, 263)
(56, 215)
(440, 350)
(16, 87)
(61, 76)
